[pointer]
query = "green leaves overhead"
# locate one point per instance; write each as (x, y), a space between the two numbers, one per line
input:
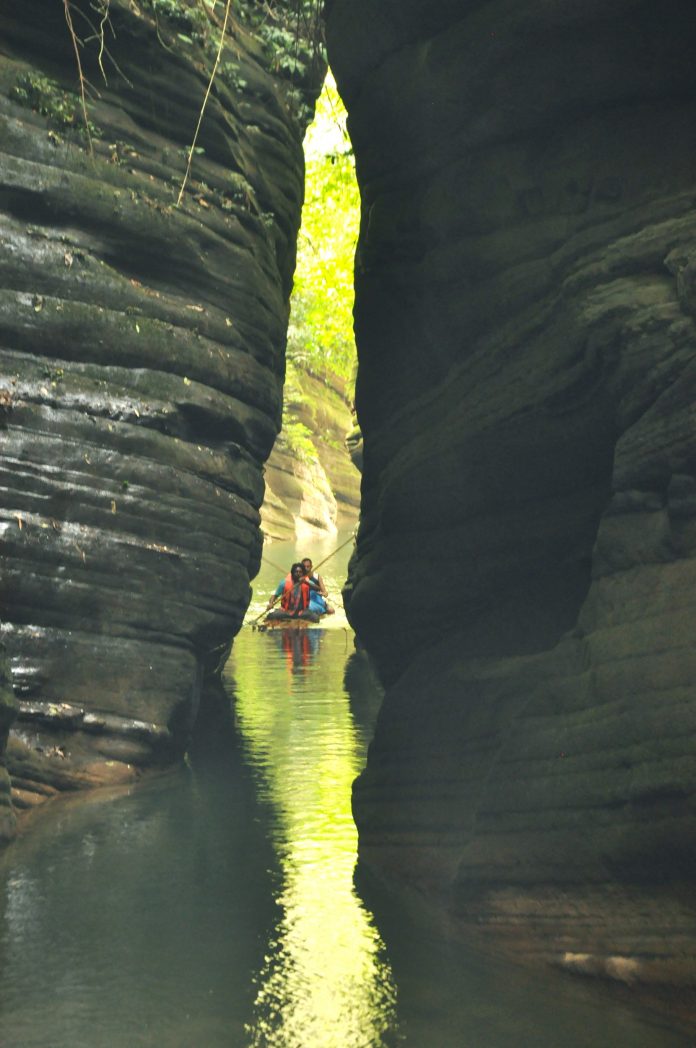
(320, 336)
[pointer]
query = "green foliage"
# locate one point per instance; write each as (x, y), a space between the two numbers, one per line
(46, 96)
(231, 74)
(320, 335)
(177, 12)
(293, 391)
(188, 21)
(289, 31)
(292, 34)
(296, 438)
(183, 14)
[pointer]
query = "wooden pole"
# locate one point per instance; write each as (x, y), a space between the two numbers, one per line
(338, 548)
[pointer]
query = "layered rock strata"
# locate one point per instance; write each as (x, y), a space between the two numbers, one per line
(525, 303)
(312, 483)
(141, 364)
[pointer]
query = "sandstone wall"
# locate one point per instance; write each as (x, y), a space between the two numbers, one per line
(141, 365)
(526, 564)
(312, 484)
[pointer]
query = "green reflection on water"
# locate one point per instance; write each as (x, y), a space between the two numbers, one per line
(325, 981)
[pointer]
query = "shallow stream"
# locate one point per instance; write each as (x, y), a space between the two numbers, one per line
(214, 907)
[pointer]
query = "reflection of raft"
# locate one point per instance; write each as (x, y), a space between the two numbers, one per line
(288, 623)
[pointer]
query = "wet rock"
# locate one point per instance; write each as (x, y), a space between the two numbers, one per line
(8, 712)
(524, 574)
(141, 363)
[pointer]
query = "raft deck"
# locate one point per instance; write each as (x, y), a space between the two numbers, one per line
(286, 624)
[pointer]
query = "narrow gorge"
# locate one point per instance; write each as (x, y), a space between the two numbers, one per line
(525, 566)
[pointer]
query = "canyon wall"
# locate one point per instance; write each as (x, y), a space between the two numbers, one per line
(142, 344)
(312, 484)
(525, 574)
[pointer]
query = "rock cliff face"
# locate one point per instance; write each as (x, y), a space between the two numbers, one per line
(8, 711)
(141, 364)
(525, 309)
(312, 484)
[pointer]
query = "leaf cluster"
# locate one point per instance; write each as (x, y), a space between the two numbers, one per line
(297, 438)
(292, 35)
(320, 334)
(190, 19)
(45, 96)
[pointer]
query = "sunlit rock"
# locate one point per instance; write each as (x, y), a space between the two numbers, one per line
(312, 485)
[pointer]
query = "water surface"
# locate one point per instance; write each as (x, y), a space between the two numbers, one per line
(215, 907)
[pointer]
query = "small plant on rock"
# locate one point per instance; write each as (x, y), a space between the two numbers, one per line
(45, 96)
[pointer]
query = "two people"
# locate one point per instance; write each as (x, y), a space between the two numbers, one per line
(302, 594)
(318, 598)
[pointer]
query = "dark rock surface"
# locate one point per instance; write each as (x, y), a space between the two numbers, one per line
(526, 565)
(8, 712)
(141, 367)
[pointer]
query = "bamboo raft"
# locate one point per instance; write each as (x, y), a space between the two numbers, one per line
(286, 624)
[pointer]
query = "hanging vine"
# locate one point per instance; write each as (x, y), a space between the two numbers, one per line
(290, 31)
(192, 147)
(80, 74)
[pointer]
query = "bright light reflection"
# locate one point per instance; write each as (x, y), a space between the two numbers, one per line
(324, 982)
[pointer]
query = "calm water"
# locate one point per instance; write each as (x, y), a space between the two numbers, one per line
(215, 907)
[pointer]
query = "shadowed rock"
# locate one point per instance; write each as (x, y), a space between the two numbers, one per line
(526, 561)
(8, 712)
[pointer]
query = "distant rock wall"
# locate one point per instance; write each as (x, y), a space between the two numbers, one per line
(312, 484)
(525, 313)
(141, 367)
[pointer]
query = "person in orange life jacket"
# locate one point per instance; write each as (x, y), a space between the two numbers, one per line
(318, 595)
(294, 591)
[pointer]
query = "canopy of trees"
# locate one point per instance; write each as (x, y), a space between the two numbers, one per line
(320, 337)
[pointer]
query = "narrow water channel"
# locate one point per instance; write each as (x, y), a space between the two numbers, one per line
(215, 906)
